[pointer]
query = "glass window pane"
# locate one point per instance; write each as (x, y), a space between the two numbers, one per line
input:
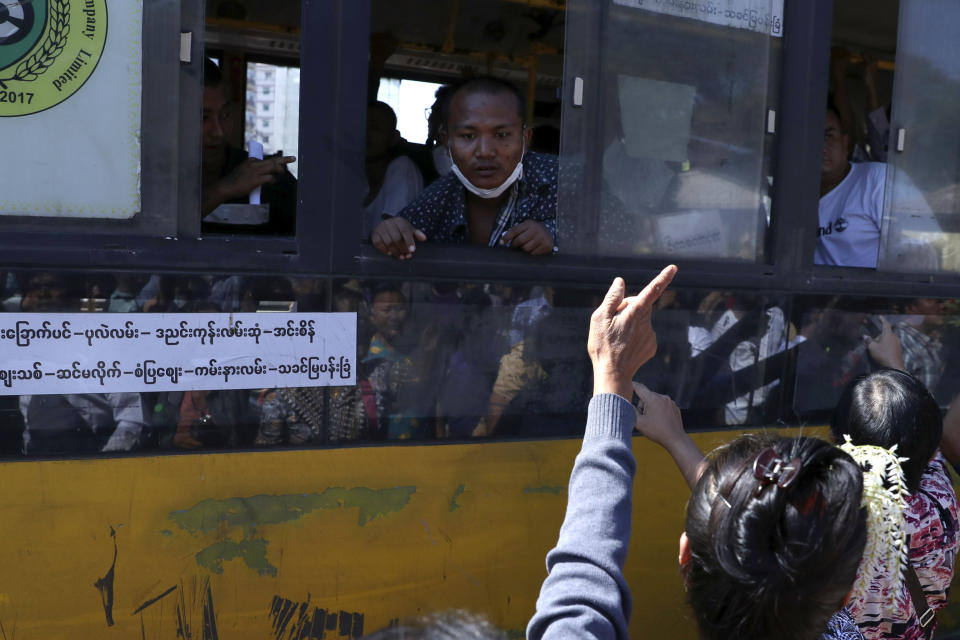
(670, 145)
(122, 414)
(922, 203)
(434, 360)
(840, 338)
(448, 360)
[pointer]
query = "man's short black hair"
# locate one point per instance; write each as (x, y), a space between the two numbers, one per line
(383, 106)
(835, 110)
(484, 84)
(385, 288)
(212, 75)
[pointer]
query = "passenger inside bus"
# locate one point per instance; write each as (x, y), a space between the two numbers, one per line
(851, 202)
(393, 180)
(436, 141)
(230, 175)
(498, 194)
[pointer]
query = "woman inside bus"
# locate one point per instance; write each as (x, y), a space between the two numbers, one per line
(892, 408)
(774, 529)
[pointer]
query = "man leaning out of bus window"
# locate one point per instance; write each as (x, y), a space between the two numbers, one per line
(498, 193)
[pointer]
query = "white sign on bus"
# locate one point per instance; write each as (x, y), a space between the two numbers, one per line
(46, 353)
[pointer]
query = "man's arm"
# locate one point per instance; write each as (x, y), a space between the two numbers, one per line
(585, 593)
(398, 236)
(244, 178)
(886, 349)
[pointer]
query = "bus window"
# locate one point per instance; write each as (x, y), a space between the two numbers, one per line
(890, 166)
(669, 134)
(447, 360)
(251, 117)
(840, 338)
(416, 52)
(273, 109)
(412, 101)
(854, 167)
(922, 199)
(122, 413)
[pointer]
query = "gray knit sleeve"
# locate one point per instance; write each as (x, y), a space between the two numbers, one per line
(585, 594)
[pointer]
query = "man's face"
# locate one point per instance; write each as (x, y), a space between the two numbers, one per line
(486, 136)
(389, 313)
(835, 147)
(217, 119)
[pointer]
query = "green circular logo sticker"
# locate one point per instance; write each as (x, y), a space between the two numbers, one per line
(48, 50)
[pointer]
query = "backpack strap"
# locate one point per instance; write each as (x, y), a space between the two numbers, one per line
(925, 614)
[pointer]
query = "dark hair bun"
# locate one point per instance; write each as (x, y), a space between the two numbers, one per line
(774, 562)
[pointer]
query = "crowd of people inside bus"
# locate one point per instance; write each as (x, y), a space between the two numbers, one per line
(726, 357)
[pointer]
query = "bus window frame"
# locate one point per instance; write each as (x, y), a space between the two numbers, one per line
(797, 153)
(333, 64)
(171, 188)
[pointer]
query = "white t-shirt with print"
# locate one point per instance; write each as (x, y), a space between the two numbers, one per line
(850, 218)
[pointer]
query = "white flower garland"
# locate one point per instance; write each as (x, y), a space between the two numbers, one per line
(884, 496)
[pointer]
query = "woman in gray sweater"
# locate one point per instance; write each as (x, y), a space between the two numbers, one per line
(774, 526)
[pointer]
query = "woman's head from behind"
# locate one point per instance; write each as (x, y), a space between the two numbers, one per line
(890, 407)
(772, 546)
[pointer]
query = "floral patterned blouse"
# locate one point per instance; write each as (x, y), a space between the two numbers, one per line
(931, 517)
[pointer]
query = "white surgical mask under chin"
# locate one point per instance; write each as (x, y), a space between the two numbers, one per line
(486, 194)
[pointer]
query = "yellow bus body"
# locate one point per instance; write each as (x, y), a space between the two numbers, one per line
(314, 543)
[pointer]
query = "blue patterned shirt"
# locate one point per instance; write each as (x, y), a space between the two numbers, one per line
(440, 210)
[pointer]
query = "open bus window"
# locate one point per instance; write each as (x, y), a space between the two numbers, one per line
(251, 104)
(888, 189)
(670, 143)
(418, 48)
(840, 338)
(273, 110)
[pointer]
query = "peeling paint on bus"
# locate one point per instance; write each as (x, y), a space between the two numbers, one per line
(251, 512)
